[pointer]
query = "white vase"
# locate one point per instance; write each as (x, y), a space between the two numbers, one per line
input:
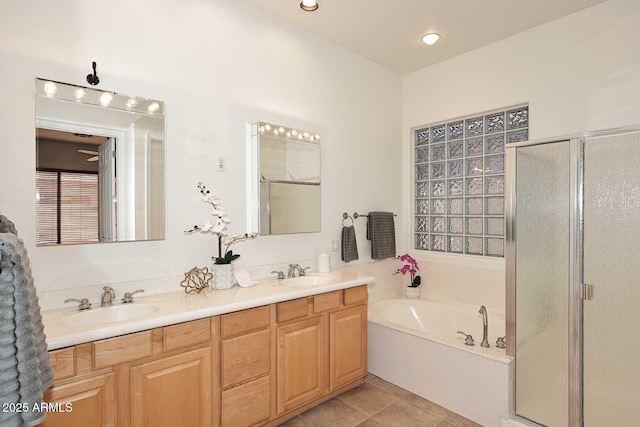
(410, 292)
(223, 277)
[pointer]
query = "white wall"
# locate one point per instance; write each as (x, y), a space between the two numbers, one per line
(578, 73)
(217, 64)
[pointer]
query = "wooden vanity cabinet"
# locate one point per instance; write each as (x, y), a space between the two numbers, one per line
(255, 367)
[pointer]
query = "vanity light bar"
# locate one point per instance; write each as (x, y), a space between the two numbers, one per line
(283, 132)
(92, 96)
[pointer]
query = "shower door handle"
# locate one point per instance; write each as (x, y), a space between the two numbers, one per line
(586, 292)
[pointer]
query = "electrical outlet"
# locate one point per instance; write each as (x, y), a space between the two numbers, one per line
(222, 164)
(335, 245)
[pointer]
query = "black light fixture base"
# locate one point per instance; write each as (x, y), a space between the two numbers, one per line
(93, 79)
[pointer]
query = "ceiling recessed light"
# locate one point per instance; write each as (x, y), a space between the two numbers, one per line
(431, 38)
(309, 5)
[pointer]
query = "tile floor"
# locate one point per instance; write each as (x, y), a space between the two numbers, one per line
(378, 403)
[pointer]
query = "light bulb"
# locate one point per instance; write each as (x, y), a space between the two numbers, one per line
(153, 107)
(79, 93)
(105, 99)
(267, 127)
(309, 5)
(317, 136)
(50, 89)
(281, 130)
(431, 38)
(294, 132)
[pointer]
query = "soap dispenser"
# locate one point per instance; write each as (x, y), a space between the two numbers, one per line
(324, 262)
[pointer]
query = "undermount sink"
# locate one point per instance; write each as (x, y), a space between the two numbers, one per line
(116, 313)
(309, 280)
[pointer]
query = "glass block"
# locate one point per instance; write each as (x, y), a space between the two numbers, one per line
(495, 226)
(474, 225)
(518, 135)
(422, 189)
(474, 186)
(437, 224)
(422, 224)
(437, 133)
(437, 243)
(494, 205)
(437, 170)
(495, 247)
(494, 164)
(438, 152)
(495, 184)
(456, 130)
(455, 244)
(455, 187)
(518, 118)
(474, 147)
(494, 143)
(422, 207)
(474, 206)
(495, 123)
(422, 136)
(422, 154)
(438, 188)
(422, 241)
(474, 246)
(438, 206)
(455, 168)
(456, 149)
(456, 206)
(474, 126)
(455, 225)
(475, 166)
(422, 172)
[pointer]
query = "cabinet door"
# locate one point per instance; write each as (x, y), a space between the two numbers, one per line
(348, 345)
(92, 403)
(175, 391)
(301, 358)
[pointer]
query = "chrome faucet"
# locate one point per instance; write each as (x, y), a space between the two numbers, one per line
(292, 270)
(485, 327)
(108, 294)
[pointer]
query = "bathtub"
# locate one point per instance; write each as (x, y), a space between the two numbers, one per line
(414, 344)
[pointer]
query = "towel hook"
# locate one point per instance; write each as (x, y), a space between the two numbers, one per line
(346, 216)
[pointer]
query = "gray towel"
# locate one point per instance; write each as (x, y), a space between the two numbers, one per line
(349, 245)
(382, 233)
(25, 368)
(7, 226)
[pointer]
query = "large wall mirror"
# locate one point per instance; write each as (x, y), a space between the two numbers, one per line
(99, 166)
(284, 180)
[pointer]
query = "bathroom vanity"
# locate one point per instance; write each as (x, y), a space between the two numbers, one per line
(249, 367)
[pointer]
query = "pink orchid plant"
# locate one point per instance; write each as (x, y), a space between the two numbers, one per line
(411, 267)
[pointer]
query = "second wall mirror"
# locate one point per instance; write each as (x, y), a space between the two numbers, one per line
(284, 182)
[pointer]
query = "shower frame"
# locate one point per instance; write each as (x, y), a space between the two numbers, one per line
(577, 289)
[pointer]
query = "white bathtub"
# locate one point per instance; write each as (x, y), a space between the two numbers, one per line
(414, 344)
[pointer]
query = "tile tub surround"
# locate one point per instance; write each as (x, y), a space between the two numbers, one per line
(378, 403)
(176, 307)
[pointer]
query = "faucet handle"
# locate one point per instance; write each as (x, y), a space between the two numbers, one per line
(468, 339)
(279, 273)
(500, 343)
(128, 296)
(83, 304)
(302, 270)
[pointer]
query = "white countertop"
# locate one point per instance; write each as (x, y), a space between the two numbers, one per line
(177, 307)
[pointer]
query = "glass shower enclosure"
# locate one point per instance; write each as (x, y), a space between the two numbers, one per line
(573, 279)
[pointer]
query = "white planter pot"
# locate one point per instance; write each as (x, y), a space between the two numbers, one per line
(410, 292)
(223, 277)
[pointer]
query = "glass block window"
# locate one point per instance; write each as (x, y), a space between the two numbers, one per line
(459, 182)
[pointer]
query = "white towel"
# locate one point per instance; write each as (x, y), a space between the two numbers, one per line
(25, 368)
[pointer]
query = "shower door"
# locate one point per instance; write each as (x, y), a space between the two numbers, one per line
(573, 279)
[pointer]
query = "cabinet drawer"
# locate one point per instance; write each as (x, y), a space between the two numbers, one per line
(121, 349)
(248, 404)
(244, 321)
(245, 357)
(357, 295)
(290, 310)
(186, 334)
(324, 302)
(63, 363)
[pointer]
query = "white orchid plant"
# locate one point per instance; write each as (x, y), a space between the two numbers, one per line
(219, 227)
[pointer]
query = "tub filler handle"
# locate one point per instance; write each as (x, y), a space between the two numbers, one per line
(468, 339)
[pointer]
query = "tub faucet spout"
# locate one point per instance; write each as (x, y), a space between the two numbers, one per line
(485, 327)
